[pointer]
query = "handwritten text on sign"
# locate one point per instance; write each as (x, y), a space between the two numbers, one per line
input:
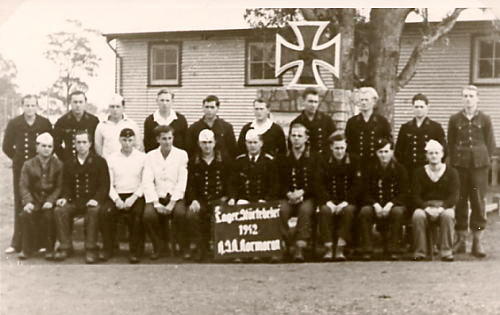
(244, 231)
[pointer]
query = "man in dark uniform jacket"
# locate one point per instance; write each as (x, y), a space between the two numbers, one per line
(85, 190)
(363, 130)
(208, 181)
(224, 133)
(272, 134)
(299, 177)
(67, 125)
(40, 186)
(385, 190)
(165, 115)
(414, 134)
(471, 143)
(340, 180)
(319, 125)
(19, 144)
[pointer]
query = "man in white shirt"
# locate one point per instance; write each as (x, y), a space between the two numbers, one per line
(107, 133)
(125, 174)
(164, 182)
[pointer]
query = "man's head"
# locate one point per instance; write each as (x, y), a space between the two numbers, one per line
(385, 150)
(44, 144)
(470, 98)
(30, 105)
(78, 101)
(165, 137)
(434, 152)
(210, 106)
(127, 140)
(82, 142)
(116, 107)
(164, 100)
(368, 97)
(420, 105)
(298, 136)
(311, 100)
(206, 141)
(261, 109)
(253, 142)
(338, 145)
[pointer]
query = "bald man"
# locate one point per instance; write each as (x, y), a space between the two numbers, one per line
(40, 186)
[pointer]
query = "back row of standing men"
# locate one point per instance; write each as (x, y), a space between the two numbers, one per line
(367, 140)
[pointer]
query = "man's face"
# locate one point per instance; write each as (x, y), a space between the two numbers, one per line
(82, 144)
(260, 110)
(116, 110)
(164, 101)
(44, 149)
(311, 103)
(470, 99)
(210, 110)
(420, 109)
(338, 148)
(254, 146)
(78, 104)
(166, 140)
(366, 102)
(207, 147)
(30, 106)
(385, 154)
(298, 137)
(434, 156)
(127, 143)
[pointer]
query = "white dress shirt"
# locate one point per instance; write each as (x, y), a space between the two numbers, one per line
(164, 121)
(165, 175)
(125, 173)
(107, 135)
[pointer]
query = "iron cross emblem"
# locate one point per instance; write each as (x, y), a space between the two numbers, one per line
(308, 55)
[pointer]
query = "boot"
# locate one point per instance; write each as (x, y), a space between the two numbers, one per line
(477, 248)
(460, 245)
(328, 256)
(339, 251)
(299, 256)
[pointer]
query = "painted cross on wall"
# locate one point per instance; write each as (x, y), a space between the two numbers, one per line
(308, 55)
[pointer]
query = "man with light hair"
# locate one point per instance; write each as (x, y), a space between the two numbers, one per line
(40, 187)
(435, 194)
(208, 181)
(471, 143)
(19, 144)
(107, 133)
(363, 130)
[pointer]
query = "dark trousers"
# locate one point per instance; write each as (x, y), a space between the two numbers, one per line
(473, 186)
(38, 230)
(109, 217)
(17, 236)
(64, 222)
(303, 211)
(157, 224)
(390, 228)
(199, 223)
(338, 224)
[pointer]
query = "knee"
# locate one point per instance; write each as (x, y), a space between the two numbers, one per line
(325, 211)
(306, 208)
(93, 210)
(149, 213)
(448, 215)
(366, 211)
(284, 209)
(349, 210)
(418, 216)
(397, 212)
(60, 210)
(179, 210)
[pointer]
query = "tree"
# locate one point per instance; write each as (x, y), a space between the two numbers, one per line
(72, 53)
(8, 73)
(380, 36)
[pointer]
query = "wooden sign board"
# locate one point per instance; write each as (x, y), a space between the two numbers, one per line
(246, 231)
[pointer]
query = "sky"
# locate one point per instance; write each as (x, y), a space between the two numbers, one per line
(24, 25)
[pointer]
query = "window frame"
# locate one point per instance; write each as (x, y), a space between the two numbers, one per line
(257, 82)
(159, 83)
(475, 44)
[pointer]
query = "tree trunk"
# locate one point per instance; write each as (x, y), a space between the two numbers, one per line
(386, 27)
(347, 24)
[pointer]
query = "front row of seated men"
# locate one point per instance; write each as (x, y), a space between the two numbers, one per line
(162, 188)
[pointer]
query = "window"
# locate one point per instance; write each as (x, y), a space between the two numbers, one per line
(164, 64)
(260, 64)
(486, 60)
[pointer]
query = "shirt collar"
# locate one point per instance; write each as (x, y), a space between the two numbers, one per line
(474, 115)
(124, 118)
(164, 121)
(262, 129)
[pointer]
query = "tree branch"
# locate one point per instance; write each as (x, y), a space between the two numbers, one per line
(427, 40)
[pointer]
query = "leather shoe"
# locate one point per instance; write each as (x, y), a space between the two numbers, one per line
(275, 260)
(328, 256)
(366, 257)
(22, 255)
(49, 255)
(154, 255)
(419, 258)
(10, 250)
(90, 257)
(61, 255)
(448, 258)
(339, 254)
(133, 259)
(394, 257)
(104, 256)
(256, 260)
(298, 257)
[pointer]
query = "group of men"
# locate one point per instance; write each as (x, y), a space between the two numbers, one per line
(342, 183)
